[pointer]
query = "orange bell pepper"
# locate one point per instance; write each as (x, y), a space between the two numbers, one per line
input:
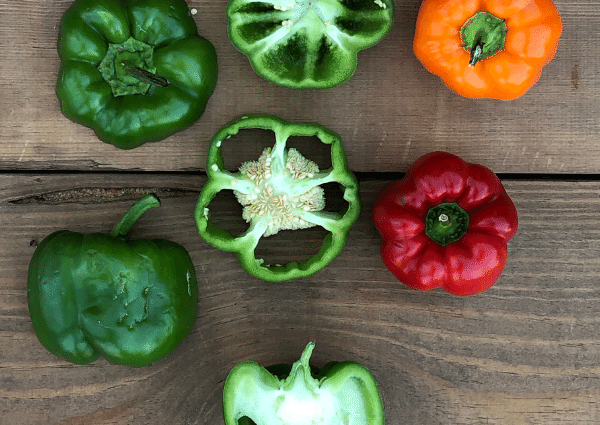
(487, 48)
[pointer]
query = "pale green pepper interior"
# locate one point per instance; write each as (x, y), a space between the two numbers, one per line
(301, 400)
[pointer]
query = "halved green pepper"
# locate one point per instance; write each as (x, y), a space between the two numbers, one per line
(98, 295)
(280, 191)
(342, 393)
(134, 71)
(307, 43)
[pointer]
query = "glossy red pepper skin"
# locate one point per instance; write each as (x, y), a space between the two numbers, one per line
(468, 266)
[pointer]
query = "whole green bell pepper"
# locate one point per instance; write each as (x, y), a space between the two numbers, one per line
(134, 71)
(307, 43)
(341, 393)
(280, 191)
(98, 295)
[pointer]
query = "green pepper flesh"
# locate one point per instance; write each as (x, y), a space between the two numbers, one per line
(307, 43)
(342, 393)
(281, 177)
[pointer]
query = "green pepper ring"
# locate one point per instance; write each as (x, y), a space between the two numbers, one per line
(244, 245)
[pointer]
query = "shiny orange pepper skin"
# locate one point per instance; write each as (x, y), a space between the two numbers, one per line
(533, 30)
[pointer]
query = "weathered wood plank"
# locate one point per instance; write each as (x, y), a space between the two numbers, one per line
(389, 113)
(526, 351)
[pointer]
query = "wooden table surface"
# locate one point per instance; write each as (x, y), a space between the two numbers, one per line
(527, 351)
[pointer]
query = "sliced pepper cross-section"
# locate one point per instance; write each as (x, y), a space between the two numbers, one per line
(340, 393)
(280, 191)
(307, 43)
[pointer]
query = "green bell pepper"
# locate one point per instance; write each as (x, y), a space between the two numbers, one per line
(280, 191)
(134, 71)
(98, 295)
(307, 43)
(342, 393)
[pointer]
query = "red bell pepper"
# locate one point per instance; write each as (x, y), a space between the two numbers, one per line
(445, 224)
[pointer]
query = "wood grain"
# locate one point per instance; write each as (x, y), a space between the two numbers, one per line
(524, 352)
(391, 112)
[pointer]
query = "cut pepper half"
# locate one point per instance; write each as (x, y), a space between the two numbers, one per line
(340, 393)
(307, 43)
(280, 191)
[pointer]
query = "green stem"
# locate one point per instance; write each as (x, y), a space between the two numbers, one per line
(483, 35)
(446, 223)
(122, 227)
(476, 53)
(145, 76)
(129, 69)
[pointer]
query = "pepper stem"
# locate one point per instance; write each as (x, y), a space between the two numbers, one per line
(476, 53)
(446, 223)
(129, 69)
(122, 227)
(144, 75)
(483, 35)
